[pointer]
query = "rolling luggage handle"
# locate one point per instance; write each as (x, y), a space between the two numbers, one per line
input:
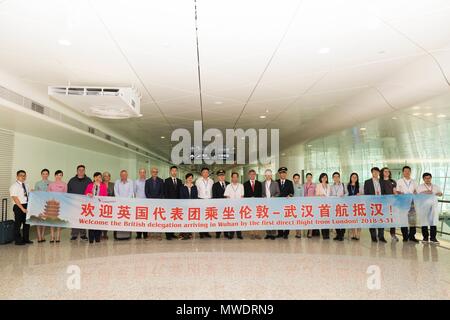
(4, 209)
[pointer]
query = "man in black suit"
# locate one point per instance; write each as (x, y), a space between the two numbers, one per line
(286, 190)
(253, 189)
(172, 186)
(218, 190)
(373, 187)
(154, 189)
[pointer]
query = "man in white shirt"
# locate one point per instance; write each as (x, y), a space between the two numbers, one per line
(19, 193)
(429, 188)
(124, 187)
(338, 190)
(204, 187)
(406, 185)
(234, 190)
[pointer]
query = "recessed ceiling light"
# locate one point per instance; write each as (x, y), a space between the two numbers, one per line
(416, 114)
(394, 118)
(441, 116)
(309, 145)
(283, 154)
(267, 110)
(324, 50)
(262, 117)
(218, 102)
(362, 129)
(64, 42)
(428, 114)
(416, 108)
(162, 137)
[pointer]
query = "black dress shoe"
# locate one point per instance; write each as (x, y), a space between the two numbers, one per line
(326, 238)
(207, 235)
(413, 240)
(19, 243)
(84, 238)
(285, 236)
(280, 236)
(267, 237)
(405, 239)
(336, 238)
(217, 236)
(383, 240)
(28, 242)
(240, 237)
(272, 238)
(73, 238)
(374, 240)
(341, 239)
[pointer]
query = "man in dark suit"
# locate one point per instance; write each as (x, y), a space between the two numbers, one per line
(218, 188)
(253, 189)
(373, 187)
(286, 190)
(154, 189)
(172, 187)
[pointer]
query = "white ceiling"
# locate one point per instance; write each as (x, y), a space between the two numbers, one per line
(257, 57)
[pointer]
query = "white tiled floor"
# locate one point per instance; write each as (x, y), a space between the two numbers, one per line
(225, 269)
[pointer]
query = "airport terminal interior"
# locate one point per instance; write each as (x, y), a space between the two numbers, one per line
(349, 85)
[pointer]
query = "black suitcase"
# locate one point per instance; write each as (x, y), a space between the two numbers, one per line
(6, 226)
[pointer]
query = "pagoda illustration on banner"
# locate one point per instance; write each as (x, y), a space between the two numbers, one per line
(50, 214)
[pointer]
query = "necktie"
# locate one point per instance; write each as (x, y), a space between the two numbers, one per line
(282, 184)
(25, 193)
(253, 185)
(175, 183)
(223, 185)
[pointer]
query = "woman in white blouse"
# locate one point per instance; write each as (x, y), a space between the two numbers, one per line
(323, 190)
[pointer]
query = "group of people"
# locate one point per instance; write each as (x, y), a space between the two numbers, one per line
(381, 183)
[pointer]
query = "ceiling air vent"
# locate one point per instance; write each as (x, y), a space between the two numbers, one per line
(102, 102)
(37, 107)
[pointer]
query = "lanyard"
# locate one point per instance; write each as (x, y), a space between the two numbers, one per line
(308, 188)
(429, 189)
(206, 183)
(235, 189)
(353, 188)
(336, 190)
(408, 185)
(325, 189)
